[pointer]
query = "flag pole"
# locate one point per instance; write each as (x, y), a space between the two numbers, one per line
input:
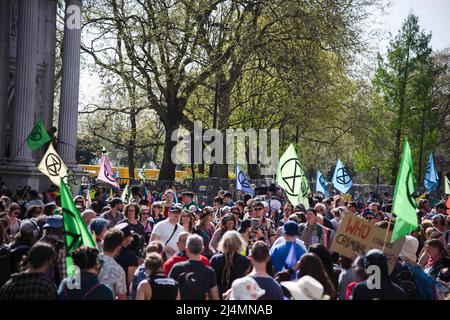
(387, 232)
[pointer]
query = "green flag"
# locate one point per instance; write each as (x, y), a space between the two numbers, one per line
(404, 202)
(447, 186)
(77, 234)
(125, 195)
(290, 176)
(306, 190)
(38, 136)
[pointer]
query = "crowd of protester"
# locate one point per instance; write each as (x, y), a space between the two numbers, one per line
(251, 247)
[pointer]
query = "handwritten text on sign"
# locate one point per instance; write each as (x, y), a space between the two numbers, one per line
(357, 236)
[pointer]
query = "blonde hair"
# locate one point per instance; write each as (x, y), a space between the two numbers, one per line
(231, 242)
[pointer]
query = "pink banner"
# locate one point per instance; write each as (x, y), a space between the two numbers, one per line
(106, 173)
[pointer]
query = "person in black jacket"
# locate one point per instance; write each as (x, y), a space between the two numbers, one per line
(378, 286)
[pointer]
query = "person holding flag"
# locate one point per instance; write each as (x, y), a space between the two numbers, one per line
(88, 286)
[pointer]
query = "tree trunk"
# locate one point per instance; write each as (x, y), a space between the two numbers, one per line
(130, 157)
(224, 89)
(167, 171)
(401, 112)
(132, 144)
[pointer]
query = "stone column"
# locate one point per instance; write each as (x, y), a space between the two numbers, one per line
(49, 78)
(48, 90)
(4, 72)
(25, 95)
(70, 84)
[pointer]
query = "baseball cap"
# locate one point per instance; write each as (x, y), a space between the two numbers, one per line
(55, 222)
(290, 228)
(246, 288)
(176, 208)
(206, 211)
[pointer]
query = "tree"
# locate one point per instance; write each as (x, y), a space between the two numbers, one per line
(405, 80)
(162, 41)
(123, 120)
(441, 98)
(172, 49)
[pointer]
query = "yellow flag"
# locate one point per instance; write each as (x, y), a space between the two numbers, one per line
(53, 166)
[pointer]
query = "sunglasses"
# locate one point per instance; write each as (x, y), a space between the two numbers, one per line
(258, 209)
(185, 216)
(235, 212)
(145, 212)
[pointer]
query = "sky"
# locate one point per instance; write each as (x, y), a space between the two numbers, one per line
(434, 16)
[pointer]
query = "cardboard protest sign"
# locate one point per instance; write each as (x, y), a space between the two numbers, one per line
(357, 236)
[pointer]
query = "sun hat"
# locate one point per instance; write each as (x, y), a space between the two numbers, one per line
(246, 288)
(306, 288)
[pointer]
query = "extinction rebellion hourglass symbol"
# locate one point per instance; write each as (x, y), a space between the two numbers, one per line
(342, 176)
(53, 164)
(291, 181)
(36, 134)
(243, 180)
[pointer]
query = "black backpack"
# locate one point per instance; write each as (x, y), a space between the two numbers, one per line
(5, 264)
(405, 280)
(190, 284)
